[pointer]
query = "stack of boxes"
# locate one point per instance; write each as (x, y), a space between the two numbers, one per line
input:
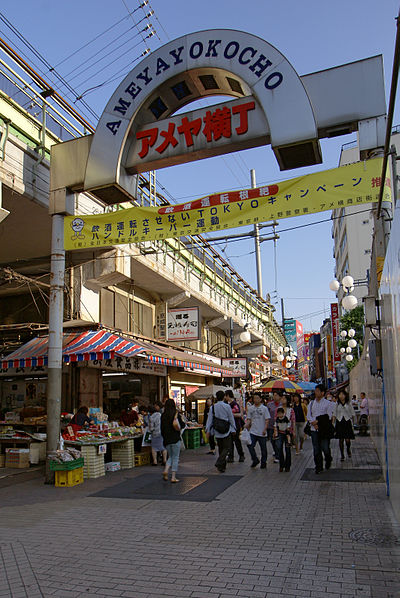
(192, 437)
(17, 457)
(93, 462)
(124, 452)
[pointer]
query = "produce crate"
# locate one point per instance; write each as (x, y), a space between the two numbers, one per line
(67, 465)
(142, 459)
(192, 438)
(124, 453)
(93, 462)
(69, 478)
(2, 460)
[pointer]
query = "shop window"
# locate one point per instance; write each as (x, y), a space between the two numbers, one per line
(142, 320)
(181, 90)
(235, 85)
(158, 107)
(208, 82)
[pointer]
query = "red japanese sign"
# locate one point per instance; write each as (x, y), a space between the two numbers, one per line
(335, 331)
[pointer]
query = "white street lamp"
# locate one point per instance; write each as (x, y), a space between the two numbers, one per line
(349, 302)
(352, 332)
(352, 343)
(287, 349)
(348, 349)
(334, 285)
(280, 357)
(343, 334)
(343, 350)
(348, 282)
(349, 358)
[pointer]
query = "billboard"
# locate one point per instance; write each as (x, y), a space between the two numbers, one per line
(335, 332)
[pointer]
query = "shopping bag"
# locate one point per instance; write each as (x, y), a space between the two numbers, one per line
(245, 436)
(204, 435)
(146, 437)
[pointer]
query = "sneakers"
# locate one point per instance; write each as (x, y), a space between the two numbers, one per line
(276, 460)
(328, 463)
(280, 469)
(241, 459)
(263, 466)
(255, 463)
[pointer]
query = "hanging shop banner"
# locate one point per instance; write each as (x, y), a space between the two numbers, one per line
(350, 185)
(238, 365)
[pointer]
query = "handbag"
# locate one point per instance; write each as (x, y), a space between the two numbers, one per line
(307, 429)
(245, 436)
(221, 426)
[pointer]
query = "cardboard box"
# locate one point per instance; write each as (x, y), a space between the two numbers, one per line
(17, 458)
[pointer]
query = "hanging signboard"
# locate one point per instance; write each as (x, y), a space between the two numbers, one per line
(183, 324)
(351, 185)
(335, 332)
(238, 365)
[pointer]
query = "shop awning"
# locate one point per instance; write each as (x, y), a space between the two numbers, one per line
(85, 346)
(181, 359)
(99, 344)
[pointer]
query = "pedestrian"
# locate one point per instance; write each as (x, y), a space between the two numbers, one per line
(157, 444)
(364, 415)
(319, 415)
(286, 404)
(272, 407)
(258, 417)
(211, 439)
(221, 423)
(235, 436)
(171, 426)
(344, 417)
(283, 439)
(300, 415)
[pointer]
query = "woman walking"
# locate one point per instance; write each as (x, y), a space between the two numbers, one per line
(344, 415)
(171, 426)
(157, 444)
(300, 415)
(285, 403)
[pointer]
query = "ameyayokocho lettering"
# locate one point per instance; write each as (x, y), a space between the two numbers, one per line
(256, 61)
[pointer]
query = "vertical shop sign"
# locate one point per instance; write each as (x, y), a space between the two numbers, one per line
(335, 331)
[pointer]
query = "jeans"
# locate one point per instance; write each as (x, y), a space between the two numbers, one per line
(262, 441)
(224, 444)
(284, 452)
(270, 435)
(235, 440)
(321, 446)
(211, 442)
(173, 455)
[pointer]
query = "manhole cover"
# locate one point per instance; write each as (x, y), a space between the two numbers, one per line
(375, 537)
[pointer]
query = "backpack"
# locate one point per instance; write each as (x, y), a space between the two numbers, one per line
(221, 426)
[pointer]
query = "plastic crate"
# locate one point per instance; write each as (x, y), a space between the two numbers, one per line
(67, 479)
(142, 459)
(67, 465)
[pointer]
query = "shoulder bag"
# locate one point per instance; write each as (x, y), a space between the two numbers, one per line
(220, 425)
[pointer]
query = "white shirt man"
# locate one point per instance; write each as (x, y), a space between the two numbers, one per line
(364, 407)
(258, 416)
(320, 407)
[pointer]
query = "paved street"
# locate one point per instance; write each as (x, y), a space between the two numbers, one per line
(267, 535)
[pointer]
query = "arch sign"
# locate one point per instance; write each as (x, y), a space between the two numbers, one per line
(139, 129)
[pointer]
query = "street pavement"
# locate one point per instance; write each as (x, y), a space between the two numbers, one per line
(268, 535)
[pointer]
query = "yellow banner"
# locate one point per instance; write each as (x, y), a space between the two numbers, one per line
(350, 185)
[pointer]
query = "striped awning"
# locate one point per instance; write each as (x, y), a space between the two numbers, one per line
(85, 346)
(99, 344)
(33, 353)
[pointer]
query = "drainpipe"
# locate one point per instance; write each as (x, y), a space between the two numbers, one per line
(6, 122)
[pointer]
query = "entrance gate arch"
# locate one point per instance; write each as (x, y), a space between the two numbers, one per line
(214, 62)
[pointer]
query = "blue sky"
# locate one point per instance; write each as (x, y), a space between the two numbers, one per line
(313, 35)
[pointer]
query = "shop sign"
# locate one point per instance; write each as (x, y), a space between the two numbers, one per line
(238, 365)
(102, 449)
(351, 185)
(183, 324)
(130, 365)
(335, 331)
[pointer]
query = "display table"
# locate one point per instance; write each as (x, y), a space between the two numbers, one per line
(122, 448)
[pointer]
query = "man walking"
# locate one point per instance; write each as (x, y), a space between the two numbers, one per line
(235, 436)
(319, 414)
(221, 424)
(257, 423)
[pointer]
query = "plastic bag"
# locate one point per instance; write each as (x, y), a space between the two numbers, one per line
(245, 436)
